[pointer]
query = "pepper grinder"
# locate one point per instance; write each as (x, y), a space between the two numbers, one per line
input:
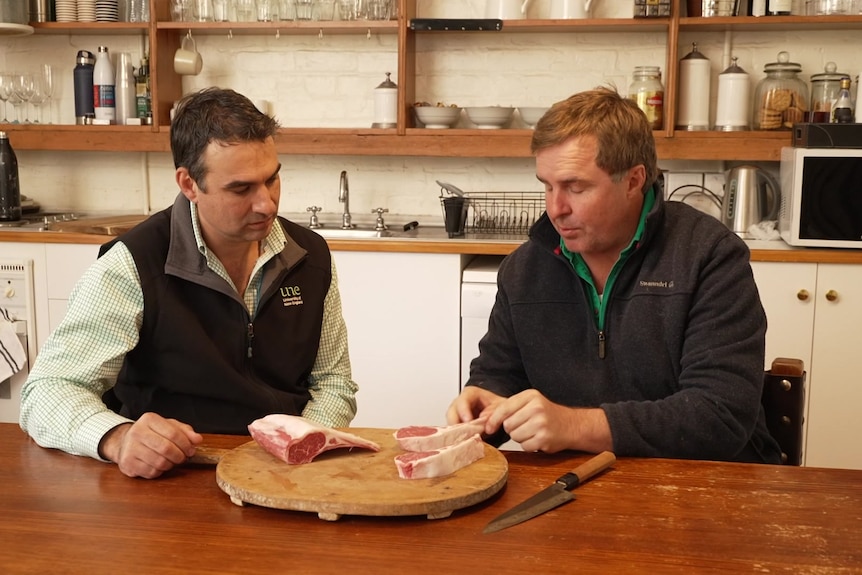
(386, 104)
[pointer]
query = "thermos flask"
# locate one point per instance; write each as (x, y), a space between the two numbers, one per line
(10, 193)
(84, 107)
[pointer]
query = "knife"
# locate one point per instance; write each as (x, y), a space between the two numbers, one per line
(552, 496)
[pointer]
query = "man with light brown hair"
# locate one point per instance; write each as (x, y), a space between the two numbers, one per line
(624, 323)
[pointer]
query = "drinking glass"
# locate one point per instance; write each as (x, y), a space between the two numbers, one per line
(286, 10)
(324, 9)
(267, 10)
(348, 9)
(377, 9)
(22, 91)
(245, 10)
(46, 81)
(202, 10)
(304, 9)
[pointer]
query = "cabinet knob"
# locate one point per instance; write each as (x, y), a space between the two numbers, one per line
(832, 295)
(802, 295)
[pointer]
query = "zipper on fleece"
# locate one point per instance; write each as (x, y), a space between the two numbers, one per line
(249, 338)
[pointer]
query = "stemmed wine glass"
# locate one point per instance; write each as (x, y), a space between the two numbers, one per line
(5, 90)
(22, 91)
(46, 87)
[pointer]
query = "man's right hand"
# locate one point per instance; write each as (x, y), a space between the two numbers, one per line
(150, 446)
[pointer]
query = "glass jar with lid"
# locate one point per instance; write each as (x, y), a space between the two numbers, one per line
(781, 98)
(647, 92)
(824, 91)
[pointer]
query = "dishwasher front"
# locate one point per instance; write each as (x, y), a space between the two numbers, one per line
(478, 292)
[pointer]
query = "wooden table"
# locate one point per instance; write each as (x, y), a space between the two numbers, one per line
(66, 514)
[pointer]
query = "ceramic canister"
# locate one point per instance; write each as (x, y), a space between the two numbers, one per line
(694, 71)
(385, 104)
(734, 96)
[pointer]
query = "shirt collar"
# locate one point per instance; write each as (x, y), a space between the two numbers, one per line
(272, 244)
(649, 202)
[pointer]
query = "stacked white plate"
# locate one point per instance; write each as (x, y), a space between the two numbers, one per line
(86, 10)
(66, 10)
(107, 11)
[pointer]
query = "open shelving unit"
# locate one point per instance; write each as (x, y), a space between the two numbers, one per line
(406, 140)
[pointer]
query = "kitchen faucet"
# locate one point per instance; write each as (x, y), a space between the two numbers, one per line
(344, 196)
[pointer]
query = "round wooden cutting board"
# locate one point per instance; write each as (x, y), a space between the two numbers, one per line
(355, 481)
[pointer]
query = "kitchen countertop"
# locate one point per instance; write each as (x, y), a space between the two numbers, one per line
(434, 239)
(62, 513)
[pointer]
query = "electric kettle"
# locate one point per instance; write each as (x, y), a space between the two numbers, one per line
(751, 195)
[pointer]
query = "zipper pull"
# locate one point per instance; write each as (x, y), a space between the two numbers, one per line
(250, 337)
(601, 345)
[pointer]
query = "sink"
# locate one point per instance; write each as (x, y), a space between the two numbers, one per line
(353, 234)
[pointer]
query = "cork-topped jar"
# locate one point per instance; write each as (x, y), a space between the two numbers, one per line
(781, 98)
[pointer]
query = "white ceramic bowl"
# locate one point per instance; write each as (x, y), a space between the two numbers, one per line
(438, 117)
(490, 117)
(531, 115)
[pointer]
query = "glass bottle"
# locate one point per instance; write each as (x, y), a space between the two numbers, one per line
(647, 92)
(781, 98)
(842, 111)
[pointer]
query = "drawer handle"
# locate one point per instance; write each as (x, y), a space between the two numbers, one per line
(802, 295)
(832, 295)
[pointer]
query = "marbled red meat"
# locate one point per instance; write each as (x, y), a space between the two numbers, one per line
(440, 462)
(429, 438)
(297, 440)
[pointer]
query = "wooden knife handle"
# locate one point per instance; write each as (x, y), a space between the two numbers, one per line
(589, 469)
(206, 455)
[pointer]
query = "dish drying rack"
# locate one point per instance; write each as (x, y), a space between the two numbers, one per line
(503, 212)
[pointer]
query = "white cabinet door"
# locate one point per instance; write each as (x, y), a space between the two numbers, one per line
(403, 324)
(66, 263)
(787, 291)
(834, 424)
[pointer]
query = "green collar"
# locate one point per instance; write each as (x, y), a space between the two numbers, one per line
(578, 262)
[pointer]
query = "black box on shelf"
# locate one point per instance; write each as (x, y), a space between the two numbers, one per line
(827, 135)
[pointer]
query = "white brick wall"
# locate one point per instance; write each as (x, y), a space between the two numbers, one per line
(329, 81)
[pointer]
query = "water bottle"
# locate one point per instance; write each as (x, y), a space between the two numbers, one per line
(125, 89)
(104, 101)
(10, 193)
(83, 75)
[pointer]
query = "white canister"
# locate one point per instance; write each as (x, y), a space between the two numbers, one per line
(386, 104)
(694, 72)
(734, 96)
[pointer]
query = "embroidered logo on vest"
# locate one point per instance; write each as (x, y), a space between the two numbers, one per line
(290, 295)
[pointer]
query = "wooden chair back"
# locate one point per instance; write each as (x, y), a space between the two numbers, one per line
(784, 403)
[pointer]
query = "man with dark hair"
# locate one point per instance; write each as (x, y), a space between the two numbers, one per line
(209, 314)
(625, 323)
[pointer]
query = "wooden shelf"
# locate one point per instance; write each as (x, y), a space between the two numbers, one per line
(164, 38)
(417, 142)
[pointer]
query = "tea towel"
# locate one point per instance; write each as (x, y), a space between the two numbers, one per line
(12, 353)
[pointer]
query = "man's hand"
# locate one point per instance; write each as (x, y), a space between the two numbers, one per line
(473, 402)
(150, 446)
(541, 425)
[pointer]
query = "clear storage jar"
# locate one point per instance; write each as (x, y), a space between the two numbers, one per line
(647, 91)
(824, 91)
(781, 98)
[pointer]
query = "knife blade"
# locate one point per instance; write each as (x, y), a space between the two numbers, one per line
(553, 496)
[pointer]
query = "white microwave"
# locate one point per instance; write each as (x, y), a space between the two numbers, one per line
(821, 197)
